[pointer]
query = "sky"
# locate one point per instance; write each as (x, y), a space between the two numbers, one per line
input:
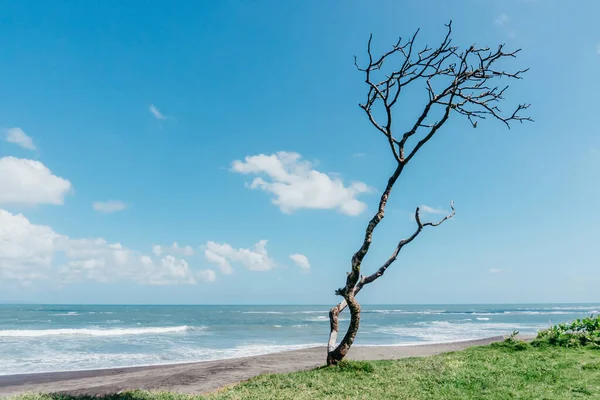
(214, 152)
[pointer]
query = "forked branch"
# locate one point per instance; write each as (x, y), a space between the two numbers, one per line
(365, 280)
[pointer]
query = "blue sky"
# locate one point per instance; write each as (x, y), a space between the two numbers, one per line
(121, 123)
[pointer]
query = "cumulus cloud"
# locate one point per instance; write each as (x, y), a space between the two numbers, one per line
(17, 136)
(301, 260)
(173, 249)
(110, 206)
(30, 252)
(295, 184)
(207, 275)
(26, 250)
(30, 182)
(157, 114)
(223, 255)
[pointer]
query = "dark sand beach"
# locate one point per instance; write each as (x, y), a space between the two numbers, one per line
(201, 377)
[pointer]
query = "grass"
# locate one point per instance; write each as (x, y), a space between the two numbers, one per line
(507, 370)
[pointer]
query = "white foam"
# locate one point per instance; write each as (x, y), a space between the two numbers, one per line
(96, 332)
(404, 312)
(285, 312)
(263, 312)
(54, 361)
(499, 312)
(482, 319)
(67, 314)
(445, 331)
(320, 318)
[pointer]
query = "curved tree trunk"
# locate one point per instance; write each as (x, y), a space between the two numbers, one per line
(338, 353)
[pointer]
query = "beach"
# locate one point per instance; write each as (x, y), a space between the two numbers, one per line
(194, 349)
(202, 377)
(52, 338)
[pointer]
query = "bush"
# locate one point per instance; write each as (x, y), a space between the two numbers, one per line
(579, 333)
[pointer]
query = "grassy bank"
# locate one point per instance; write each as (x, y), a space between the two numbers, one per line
(509, 370)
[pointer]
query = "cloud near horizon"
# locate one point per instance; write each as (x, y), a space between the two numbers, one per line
(223, 255)
(295, 184)
(158, 250)
(29, 182)
(20, 138)
(30, 252)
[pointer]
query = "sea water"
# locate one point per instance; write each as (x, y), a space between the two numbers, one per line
(44, 338)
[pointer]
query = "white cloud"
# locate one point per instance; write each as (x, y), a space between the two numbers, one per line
(110, 206)
(295, 184)
(207, 275)
(31, 252)
(255, 259)
(221, 261)
(501, 19)
(431, 210)
(30, 182)
(157, 114)
(301, 261)
(215, 258)
(17, 136)
(26, 250)
(173, 249)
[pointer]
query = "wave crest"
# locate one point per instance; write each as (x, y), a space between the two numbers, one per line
(98, 332)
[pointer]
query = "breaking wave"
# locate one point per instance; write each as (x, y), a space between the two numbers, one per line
(97, 332)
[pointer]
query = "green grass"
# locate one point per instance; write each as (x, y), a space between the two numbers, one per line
(508, 370)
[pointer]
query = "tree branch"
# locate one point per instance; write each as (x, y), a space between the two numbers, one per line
(335, 311)
(368, 279)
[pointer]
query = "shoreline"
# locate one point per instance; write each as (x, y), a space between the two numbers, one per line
(206, 376)
(300, 347)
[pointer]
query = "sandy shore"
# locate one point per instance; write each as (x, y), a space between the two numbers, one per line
(206, 376)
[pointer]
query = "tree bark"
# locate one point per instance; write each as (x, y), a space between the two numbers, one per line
(338, 354)
(335, 355)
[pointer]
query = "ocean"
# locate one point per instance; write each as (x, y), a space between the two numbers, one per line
(45, 338)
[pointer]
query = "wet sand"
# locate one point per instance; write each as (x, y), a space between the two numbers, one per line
(201, 377)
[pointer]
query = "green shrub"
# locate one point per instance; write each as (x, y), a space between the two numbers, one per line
(579, 333)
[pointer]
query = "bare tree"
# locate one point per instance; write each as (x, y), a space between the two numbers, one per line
(456, 81)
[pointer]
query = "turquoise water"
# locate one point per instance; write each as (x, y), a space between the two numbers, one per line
(42, 338)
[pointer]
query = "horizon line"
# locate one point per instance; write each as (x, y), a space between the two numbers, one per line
(283, 305)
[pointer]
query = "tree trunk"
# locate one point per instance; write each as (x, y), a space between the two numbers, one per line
(337, 354)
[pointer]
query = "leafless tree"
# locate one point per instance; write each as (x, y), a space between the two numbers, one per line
(457, 81)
